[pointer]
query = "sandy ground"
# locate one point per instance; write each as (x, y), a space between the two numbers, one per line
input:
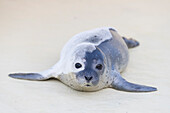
(32, 34)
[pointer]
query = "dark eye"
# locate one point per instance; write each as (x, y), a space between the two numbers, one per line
(99, 66)
(78, 65)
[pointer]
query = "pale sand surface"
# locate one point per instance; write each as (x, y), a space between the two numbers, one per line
(33, 32)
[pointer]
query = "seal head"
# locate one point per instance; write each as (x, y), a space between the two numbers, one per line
(94, 68)
(87, 69)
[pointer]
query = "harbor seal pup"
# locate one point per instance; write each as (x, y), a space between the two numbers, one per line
(92, 60)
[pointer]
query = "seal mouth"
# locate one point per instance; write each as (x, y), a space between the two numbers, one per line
(88, 85)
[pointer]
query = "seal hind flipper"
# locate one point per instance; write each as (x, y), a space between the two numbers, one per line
(28, 76)
(120, 83)
(131, 43)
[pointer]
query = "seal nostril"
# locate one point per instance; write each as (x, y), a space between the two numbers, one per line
(88, 78)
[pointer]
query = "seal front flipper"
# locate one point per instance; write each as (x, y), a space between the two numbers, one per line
(44, 75)
(120, 83)
(28, 76)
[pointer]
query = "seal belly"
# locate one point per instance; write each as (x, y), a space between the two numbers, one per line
(116, 51)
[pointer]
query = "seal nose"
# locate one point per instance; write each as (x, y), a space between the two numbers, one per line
(88, 78)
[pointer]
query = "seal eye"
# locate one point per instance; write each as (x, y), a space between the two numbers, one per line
(99, 67)
(78, 65)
